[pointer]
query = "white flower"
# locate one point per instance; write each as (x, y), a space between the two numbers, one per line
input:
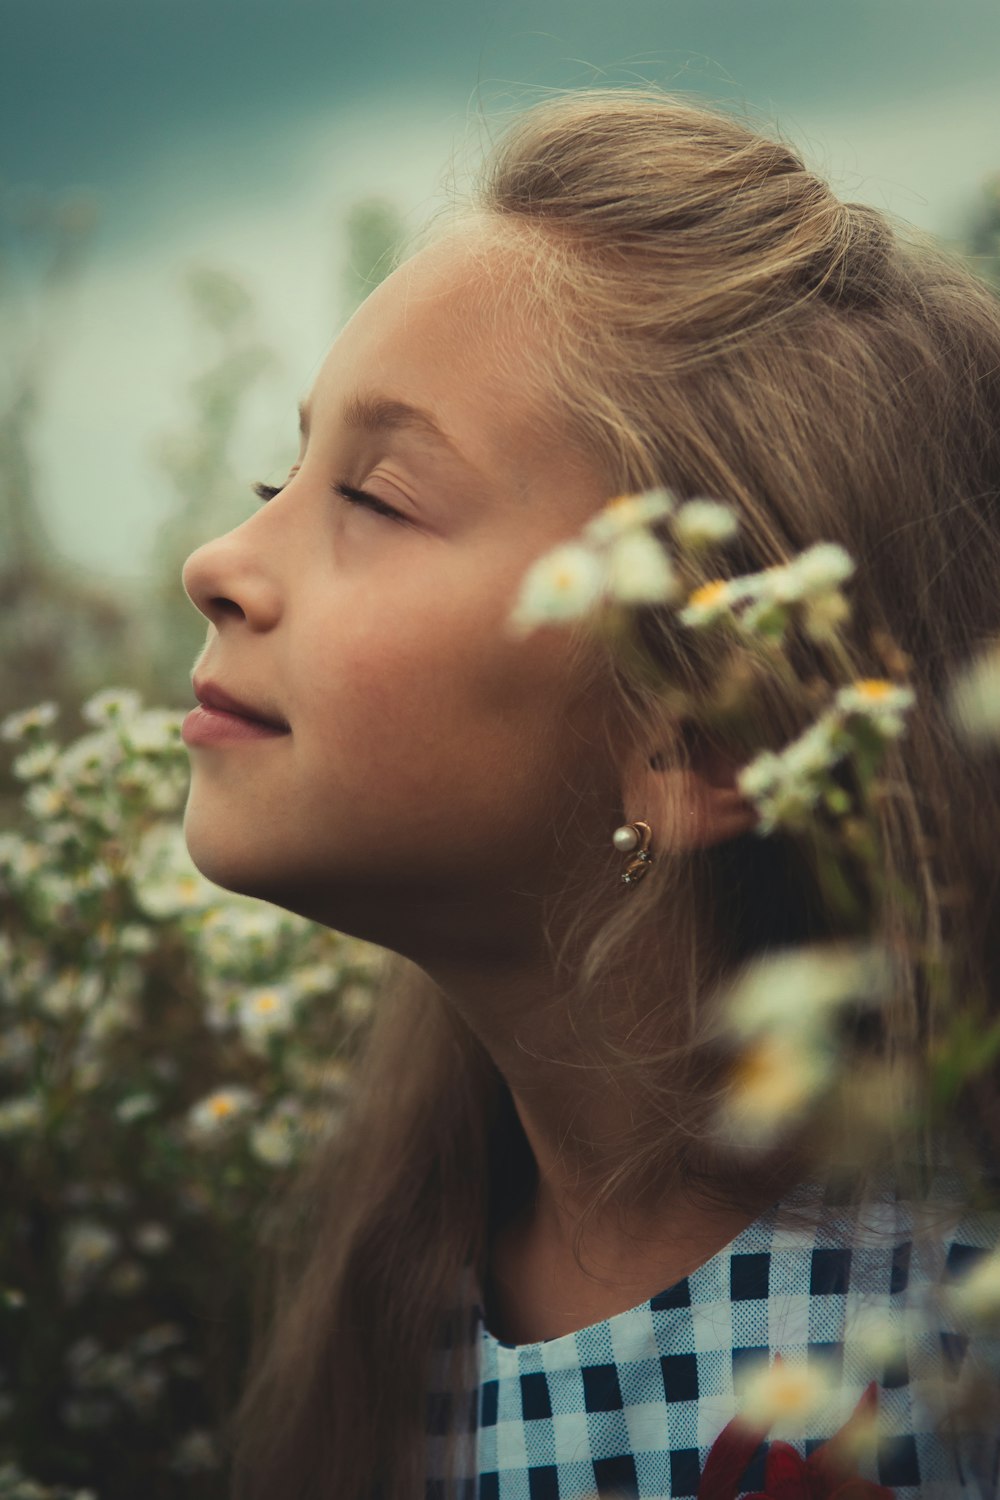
(823, 616)
(87, 1249)
(44, 802)
(879, 701)
(628, 513)
(111, 706)
(20, 858)
(35, 762)
(974, 698)
(266, 1009)
(152, 1238)
(760, 776)
(20, 1114)
(274, 1141)
(165, 879)
(775, 1079)
(975, 1297)
(704, 523)
(797, 991)
(88, 762)
(218, 1110)
(154, 730)
(814, 573)
(72, 990)
(134, 1106)
(315, 979)
(564, 584)
(816, 751)
(18, 726)
(786, 1395)
(708, 603)
(195, 1451)
(640, 571)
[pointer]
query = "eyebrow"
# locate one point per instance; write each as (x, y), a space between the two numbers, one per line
(373, 412)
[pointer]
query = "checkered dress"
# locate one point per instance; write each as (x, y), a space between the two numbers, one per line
(632, 1405)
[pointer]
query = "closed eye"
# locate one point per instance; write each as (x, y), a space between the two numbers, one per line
(361, 498)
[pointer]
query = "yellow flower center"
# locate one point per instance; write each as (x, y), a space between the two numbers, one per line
(221, 1106)
(265, 1003)
(709, 592)
(874, 687)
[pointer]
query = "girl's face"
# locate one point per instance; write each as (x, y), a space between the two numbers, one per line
(425, 784)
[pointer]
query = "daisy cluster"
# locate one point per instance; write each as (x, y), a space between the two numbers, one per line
(166, 1047)
(618, 560)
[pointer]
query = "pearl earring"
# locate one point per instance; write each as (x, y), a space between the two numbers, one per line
(634, 838)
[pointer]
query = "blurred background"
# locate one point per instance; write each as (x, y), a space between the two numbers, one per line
(195, 194)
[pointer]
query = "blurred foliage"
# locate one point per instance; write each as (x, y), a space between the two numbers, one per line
(210, 497)
(58, 634)
(375, 237)
(167, 1050)
(982, 241)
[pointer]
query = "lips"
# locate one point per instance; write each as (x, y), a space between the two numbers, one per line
(210, 695)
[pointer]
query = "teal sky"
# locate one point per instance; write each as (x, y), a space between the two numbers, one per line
(234, 132)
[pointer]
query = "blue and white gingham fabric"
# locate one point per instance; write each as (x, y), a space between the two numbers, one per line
(630, 1407)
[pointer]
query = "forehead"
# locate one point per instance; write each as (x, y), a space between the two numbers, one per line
(443, 333)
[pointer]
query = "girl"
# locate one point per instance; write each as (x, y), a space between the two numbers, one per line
(527, 1265)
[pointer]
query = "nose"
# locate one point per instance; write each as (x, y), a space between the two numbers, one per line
(228, 579)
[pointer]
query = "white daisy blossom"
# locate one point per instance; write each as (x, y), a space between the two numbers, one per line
(785, 1395)
(563, 584)
(19, 726)
(20, 1114)
(111, 706)
(274, 1141)
(707, 603)
(702, 523)
(71, 991)
(87, 1248)
(797, 991)
(640, 571)
(825, 614)
(38, 761)
(627, 513)
(218, 1110)
(974, 698)
(165, 878)
(44, 802)
(817, 571)
(19, 857)
(816, 750)
(134, 1106)
(154, 730)
(774, 1081)
(266, 1009)
(975, 1298)
(89, 761)
(879, 701)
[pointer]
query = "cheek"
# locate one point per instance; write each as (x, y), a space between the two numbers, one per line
(432, 706)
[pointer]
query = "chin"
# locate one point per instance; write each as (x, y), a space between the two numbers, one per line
(230, 860)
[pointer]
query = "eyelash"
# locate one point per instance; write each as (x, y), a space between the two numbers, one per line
(361, 498)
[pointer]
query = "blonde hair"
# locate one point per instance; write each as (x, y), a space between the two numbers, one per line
(717, 322)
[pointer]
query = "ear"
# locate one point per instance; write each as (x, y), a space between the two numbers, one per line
(687, 808)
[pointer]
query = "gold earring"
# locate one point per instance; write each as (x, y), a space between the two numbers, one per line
(634, 839)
